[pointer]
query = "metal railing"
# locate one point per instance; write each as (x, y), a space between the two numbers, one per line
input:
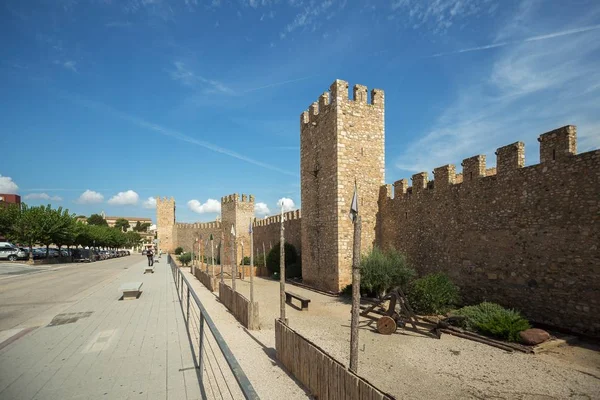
(219, 373)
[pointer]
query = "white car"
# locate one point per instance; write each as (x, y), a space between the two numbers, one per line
(9, 251)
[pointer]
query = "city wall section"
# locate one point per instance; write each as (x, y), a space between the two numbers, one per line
(524, 237)
(268, 230)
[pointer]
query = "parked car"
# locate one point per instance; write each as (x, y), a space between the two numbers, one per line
(9, 251)
(85, 255)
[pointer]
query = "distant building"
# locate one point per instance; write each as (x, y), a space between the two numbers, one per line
(10, 199)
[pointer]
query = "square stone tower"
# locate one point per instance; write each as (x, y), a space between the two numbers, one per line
(341, 142)
(238, 212)
(165, 223)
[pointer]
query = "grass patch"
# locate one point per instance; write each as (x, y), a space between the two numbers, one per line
(494, 320)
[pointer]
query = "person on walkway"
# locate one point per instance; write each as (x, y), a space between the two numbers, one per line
(150, 255)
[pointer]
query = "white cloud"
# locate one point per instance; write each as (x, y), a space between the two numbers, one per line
(288, 204)
(125, 198)
(90, 197)
(150, 203)
(7, 186)
(261, 209)
(211, 206)
(42, 196)
(526, 90)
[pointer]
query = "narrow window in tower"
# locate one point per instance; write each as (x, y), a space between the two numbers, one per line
(553, 154)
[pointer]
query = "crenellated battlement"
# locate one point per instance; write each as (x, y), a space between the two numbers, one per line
(338, 95)
(276, 219)
(558, 145)
(233, 198)
(199, 225)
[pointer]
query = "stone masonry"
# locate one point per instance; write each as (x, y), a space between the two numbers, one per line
(341, 143)
(524, 237)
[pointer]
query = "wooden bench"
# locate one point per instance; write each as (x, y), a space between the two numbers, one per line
(303, 300)
(149, 269)
(131, 290)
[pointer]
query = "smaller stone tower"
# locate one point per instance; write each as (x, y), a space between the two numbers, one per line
(237, 211)
(165, 223)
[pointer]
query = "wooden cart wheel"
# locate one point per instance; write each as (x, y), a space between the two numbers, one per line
(386, 325)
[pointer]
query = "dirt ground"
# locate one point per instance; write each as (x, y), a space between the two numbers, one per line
(410, 365)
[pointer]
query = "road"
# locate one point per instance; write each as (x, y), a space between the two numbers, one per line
(66, 334)
(32, 296)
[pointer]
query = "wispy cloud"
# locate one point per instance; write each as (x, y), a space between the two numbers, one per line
(69, 64)
(172, 133)
(118, 24)
(308, 18)
(530, 88)
(438, 15)
(42, 196)
(526, 40)
(270, 85)
(187, 77)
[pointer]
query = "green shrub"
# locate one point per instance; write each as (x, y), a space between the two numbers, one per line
(245, 261)
(494, 320)
(432, 294)
(382, 271)
(185, 258)
(179, 250)
(293, 263)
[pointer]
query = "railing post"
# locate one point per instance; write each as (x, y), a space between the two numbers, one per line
(187, 321)
(201, 344)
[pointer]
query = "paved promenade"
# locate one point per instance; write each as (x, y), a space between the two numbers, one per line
(82, 342)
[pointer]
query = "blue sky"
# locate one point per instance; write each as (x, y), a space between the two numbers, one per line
(107, 103)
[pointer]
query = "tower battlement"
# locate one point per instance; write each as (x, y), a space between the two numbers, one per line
(338, 95)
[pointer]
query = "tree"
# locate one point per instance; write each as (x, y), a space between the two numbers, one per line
(26, 226)
(61, 229)
(141, 227)
(8, 216)
(293, 266)
(96, 219)
(122, 224)
(133, 238)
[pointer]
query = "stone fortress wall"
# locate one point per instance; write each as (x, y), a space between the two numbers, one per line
(525, 237)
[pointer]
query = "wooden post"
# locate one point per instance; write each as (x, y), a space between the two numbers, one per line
(221, 255)
(233, 261)
(251, 269)
(355, 296)
(212, 254)
(193, 265)
(264, 257)
(282, 272)
(243, 264)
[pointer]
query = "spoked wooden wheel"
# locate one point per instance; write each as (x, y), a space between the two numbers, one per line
(386, 325)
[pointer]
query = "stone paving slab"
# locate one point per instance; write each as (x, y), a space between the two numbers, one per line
(134, 349)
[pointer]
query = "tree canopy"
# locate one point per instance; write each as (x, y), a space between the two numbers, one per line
(122, 224)
(45, 225)
(96, 219)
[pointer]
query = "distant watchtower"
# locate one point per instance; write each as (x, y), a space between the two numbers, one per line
(237, 211)
(165, 223)
(341, 142)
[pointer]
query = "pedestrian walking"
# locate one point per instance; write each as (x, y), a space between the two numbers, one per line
(150, 255)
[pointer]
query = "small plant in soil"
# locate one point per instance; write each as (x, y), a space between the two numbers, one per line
(493, 320)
